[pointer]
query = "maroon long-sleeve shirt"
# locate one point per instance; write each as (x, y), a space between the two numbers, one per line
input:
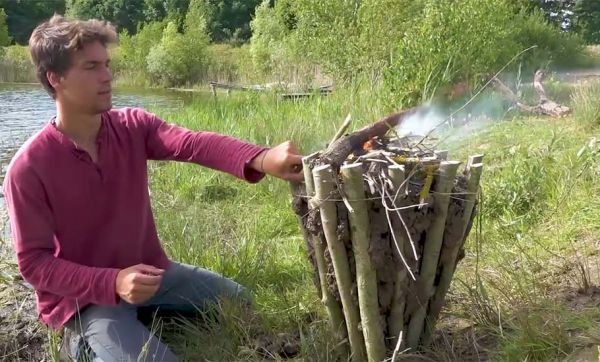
(76, 223)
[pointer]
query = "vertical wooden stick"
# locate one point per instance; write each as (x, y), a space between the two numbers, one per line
(324, 187)
(333, 308)
(449, 254)
(473, 160)
(307, 170)
(342, 129)
(366, 277)
(431, 250)
(396, 317)
(441, 155)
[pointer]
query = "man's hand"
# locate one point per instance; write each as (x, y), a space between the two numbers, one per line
(282, 161)
(138, 283)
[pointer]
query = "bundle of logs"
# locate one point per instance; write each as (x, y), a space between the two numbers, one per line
(384, 223)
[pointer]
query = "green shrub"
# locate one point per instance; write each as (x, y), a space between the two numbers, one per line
(414, 48)
(166, 62)
(178, 58)
(554, 47)
(129, 59)
(16, 65)
(229, 63)
(448, 43)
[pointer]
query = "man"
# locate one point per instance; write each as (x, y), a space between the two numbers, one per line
(77, 195)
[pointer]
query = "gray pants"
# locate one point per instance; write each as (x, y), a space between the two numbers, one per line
(114, 333)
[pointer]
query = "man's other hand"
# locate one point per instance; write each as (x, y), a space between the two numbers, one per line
(282, 161)
(138, 283)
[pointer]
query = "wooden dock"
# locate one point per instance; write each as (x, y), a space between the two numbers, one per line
(323, 90)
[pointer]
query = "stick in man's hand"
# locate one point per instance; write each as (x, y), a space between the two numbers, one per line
(282, 161)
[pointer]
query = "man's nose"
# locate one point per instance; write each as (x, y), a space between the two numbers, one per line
(107, 74)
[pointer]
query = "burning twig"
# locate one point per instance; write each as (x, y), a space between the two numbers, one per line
(339, 150)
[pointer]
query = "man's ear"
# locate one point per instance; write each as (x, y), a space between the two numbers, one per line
(54, 79)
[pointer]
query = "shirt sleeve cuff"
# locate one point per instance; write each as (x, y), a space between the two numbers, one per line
(250, 174)
(112, 298)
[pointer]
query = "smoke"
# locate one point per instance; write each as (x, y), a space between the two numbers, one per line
(422, 122)
(442, 123)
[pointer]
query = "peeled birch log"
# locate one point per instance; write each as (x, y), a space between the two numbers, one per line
(385, 226)
(366, 279)
(324, 191)
(316, 245)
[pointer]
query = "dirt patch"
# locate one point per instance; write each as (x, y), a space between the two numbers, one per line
(456, 339)
(575, 281)
(22, 337)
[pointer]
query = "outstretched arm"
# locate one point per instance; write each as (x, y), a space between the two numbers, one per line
(224, 153)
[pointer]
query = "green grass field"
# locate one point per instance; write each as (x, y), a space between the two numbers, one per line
(525, 290)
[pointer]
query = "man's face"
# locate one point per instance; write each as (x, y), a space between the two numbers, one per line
(86, 86)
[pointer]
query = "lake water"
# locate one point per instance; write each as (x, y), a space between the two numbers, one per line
(25, 109)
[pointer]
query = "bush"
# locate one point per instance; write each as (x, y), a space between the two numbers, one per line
(16, 65)
(166, 62)
(229, 63)
(554, 47)
(178, 58)
(276, 47)
(129, 59)
(416, 47)
(450, 42)
(159, 53)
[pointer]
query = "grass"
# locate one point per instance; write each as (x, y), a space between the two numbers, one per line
(525, 290)
(540, 210)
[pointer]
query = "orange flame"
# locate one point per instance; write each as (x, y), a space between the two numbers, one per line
(367, 146)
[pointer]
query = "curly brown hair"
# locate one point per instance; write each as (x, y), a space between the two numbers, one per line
(54, 41)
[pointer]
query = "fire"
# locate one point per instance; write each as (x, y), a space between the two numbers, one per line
(367, 146)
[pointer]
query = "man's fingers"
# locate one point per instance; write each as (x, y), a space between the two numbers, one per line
(148, 290)
(146, 279)
(294, 176)
(149, 269)
(294, 160)
(291, 147)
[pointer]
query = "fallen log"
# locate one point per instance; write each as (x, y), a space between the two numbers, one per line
(545, 106)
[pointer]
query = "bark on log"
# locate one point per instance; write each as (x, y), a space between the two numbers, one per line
(339, 151)
(324, 189)
(396, 317)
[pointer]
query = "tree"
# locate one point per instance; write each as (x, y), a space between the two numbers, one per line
(4, 37)
(124, 14)
(558, 12)
(587, 20)
(22, 16)
(172, 10)
(180, 58)
(231, 20)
